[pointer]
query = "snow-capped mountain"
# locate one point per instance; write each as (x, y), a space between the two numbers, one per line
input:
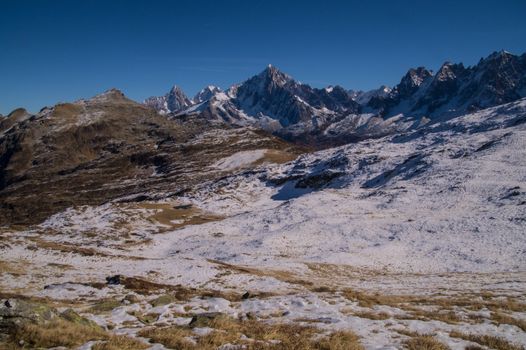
(363, 97)
(205, 94)
(455, 89)
(274, 101)
(174, 101)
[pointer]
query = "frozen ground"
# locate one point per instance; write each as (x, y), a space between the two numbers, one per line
(438, 213)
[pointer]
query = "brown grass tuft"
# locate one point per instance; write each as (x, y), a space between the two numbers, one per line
(121, 342)
(501, 318)
(487, 340)
(262, 335)
(57, 332)
(424, 342)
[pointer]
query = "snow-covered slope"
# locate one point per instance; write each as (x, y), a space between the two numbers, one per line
(448, 197)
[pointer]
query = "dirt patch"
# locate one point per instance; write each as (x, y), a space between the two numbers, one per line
(176, 216)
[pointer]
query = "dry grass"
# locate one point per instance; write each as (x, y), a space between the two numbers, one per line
(487, 340)
(424, 342)
(449, 317)
(276, 156)
(121, 342)
(408, 302)
(104, 306)
(175, 292)
(281, 275)
(167, 213)
(501, 318)
(57, 332)
(262, 335)
(171, 337)
(75, 249)
(372, 315)
(13, 268)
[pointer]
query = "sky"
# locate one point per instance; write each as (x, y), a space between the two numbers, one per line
(61, 50)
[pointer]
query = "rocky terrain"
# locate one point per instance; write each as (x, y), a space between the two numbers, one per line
(232, 221)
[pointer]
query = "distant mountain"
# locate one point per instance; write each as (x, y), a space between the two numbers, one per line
(174, 101)
(205, 94)
(274, 101)
(363, 97)
(455, 89)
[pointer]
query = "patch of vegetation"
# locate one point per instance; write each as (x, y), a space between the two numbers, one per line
(408, 302)
(372, 315)
(105, 306)
(57, 332)
(424, 315)
(424, 342)
(281, 275)
(501, 318)
(487, 340)
(261, 336)
(121, 342)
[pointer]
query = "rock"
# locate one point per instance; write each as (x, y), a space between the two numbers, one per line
(246, 296)
(319, 180)
(163, 300)
(131, 298)
(183, 206)
(113, 280)
(16, 312)
(71, 316)
(205, 319)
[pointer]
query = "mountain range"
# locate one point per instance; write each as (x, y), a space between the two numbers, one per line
(274, 101)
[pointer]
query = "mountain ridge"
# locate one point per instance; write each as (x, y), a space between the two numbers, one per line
(274, 101)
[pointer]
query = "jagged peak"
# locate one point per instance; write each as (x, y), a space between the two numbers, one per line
(497, 56)
(274, 74)
(206, 93)
(176, 90)
(449, 71)
(414, 78)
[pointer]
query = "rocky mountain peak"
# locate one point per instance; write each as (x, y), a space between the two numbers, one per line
(412, 80)
(449, 71)
(206, 93)
(501, 55)
(273, 75)
(174, 101)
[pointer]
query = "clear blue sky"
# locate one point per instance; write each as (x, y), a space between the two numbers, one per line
(62, 50)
